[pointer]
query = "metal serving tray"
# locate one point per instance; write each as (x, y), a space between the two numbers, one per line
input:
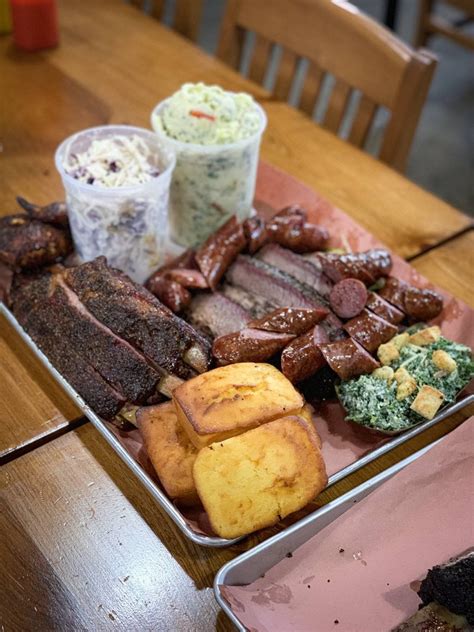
(249, 566)
(159, 496)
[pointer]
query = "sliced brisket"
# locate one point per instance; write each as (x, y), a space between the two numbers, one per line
(216, 315)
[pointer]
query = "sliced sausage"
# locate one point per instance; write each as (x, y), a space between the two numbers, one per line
(291, 232)
(366, 266)
(248, 345)
(302, 358)
(370, 330)
(348, 298)
(184, 260)
(348, 358)
(219, 251)
(290, 320)
(394, 292)
(293, 209)
(172, 294)
(187, 278)
(255, 231)
(384, 309)
(422, 304)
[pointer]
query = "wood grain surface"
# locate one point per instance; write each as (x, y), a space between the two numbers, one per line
(84, 546)
(33, 405)
(451, 266)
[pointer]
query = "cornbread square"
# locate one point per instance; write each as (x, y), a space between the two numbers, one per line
(171, 452)
(425, 336)
(232, 399)
(254, 480)
(427, 402)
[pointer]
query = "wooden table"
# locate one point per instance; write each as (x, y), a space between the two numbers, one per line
(83, 545)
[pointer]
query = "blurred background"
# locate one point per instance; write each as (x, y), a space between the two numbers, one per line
(442, 155)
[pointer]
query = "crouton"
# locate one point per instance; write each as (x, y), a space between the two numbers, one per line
(401, 375)
(406, 388)
(443, 361)
(384, 373)
(401, 340)
(427, 402)
(425, 336)
(387, 353)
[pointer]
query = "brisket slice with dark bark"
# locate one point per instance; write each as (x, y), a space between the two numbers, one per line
(257, 306)
(134, 314)
(31, 306)
(302, 269)
(216, 315)
(281, 289)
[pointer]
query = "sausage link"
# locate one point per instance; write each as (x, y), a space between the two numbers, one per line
(384, 309)
(302, 357)
(366, 266)
(348, 298)
(348, 358)
(370, 330)
(219, 250)
(293, 233)
(172, 294)
(293, 209)
(248, 345)
(187, 278)
(290, 320)
(256, 233)
(422, 304)
(394, 292)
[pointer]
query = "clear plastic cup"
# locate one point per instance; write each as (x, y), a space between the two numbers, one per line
(210, 182)
(126, 224)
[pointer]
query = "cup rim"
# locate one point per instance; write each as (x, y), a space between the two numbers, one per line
(100, 190)
(208, 148)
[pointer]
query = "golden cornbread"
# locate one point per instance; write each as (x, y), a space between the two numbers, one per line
(232, 399)
(170, 450)
(254, 480)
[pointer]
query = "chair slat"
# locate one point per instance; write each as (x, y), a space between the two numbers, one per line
(285, 74)
(362, 121)
(187, 18)
(260, 59)
(337, 105)
(157, 9)
(311, 88)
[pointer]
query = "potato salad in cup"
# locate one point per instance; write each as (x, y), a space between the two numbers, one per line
(215, 136)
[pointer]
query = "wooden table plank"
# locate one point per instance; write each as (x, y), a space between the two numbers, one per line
(84, 546)
(114, 64)
(33, 406)
(451, 266)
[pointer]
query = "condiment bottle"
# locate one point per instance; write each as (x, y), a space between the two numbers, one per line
(35, 24)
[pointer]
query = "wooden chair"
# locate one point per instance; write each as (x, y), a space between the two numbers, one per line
(187, 15)
(336, 39)
(429, 23)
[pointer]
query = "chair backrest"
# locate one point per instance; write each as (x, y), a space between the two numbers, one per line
(187, 14)
(431, 23)
(336, 39)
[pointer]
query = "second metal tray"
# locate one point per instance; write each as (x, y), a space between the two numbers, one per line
(249, 566)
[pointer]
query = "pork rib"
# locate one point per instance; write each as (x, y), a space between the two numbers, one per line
(135, 315)
(32, 308)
